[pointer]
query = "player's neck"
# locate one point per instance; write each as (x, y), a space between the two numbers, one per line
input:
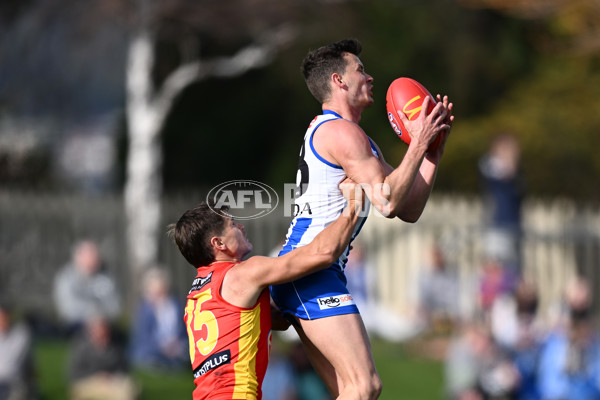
(344, 110)
(225, 257)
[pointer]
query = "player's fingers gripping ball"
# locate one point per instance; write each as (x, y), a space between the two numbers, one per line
(406, 95)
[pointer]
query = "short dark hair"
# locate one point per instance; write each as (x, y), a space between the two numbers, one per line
(193, 231)
(320, 64)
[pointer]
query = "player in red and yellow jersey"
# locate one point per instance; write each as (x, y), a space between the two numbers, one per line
(228, 313)
(227, 342)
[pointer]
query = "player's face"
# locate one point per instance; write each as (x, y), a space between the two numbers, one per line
(360, 84)
(234, 237)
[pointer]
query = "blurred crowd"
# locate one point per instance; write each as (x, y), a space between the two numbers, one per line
(510, 347)
(503, 345)
(105, 347)
(102, 349)
(511, 350)
(507, 349)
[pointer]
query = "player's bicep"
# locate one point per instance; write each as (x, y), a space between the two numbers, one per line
(361, 165)
(367, 170)
(352, 149)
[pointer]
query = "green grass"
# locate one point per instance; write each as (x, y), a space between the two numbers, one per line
(51, 369)
(160, 386)
(404, 374)
(51, 364)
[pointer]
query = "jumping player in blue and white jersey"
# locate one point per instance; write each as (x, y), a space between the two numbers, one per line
(335, 147)
(318, 201)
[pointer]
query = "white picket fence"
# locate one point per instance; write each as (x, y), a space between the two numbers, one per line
(559, 242)
(37, 231)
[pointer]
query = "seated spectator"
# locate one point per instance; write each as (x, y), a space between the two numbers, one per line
(83, 288)
(98, 367)
(513, 316)
(569, 365)
(159, 338)
(16, 363)
(438, 293)
(519, 331)
(476, 369)
(495, 280)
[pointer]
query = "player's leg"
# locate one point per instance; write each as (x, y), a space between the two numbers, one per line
(334, 335)
(321, 365)
(343, 342)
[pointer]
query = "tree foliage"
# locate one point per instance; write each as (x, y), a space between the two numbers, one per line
(528, 66)
(259, 120)
(571, 26)
(551, 108)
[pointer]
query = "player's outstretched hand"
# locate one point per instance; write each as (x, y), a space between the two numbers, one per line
(353, 193)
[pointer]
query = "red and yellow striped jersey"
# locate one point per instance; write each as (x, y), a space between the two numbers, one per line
(229, 345)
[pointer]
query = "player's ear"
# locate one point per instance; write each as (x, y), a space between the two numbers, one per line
(337, 79)
(217, 243)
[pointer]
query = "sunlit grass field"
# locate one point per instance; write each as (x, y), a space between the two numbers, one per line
(405, 374)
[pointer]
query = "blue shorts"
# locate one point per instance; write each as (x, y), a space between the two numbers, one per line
(318, 295)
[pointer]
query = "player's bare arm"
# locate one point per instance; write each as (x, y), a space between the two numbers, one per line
(423, 184)
(245, 281)
(344, 143)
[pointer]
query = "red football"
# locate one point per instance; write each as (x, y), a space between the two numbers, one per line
(406, 95)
